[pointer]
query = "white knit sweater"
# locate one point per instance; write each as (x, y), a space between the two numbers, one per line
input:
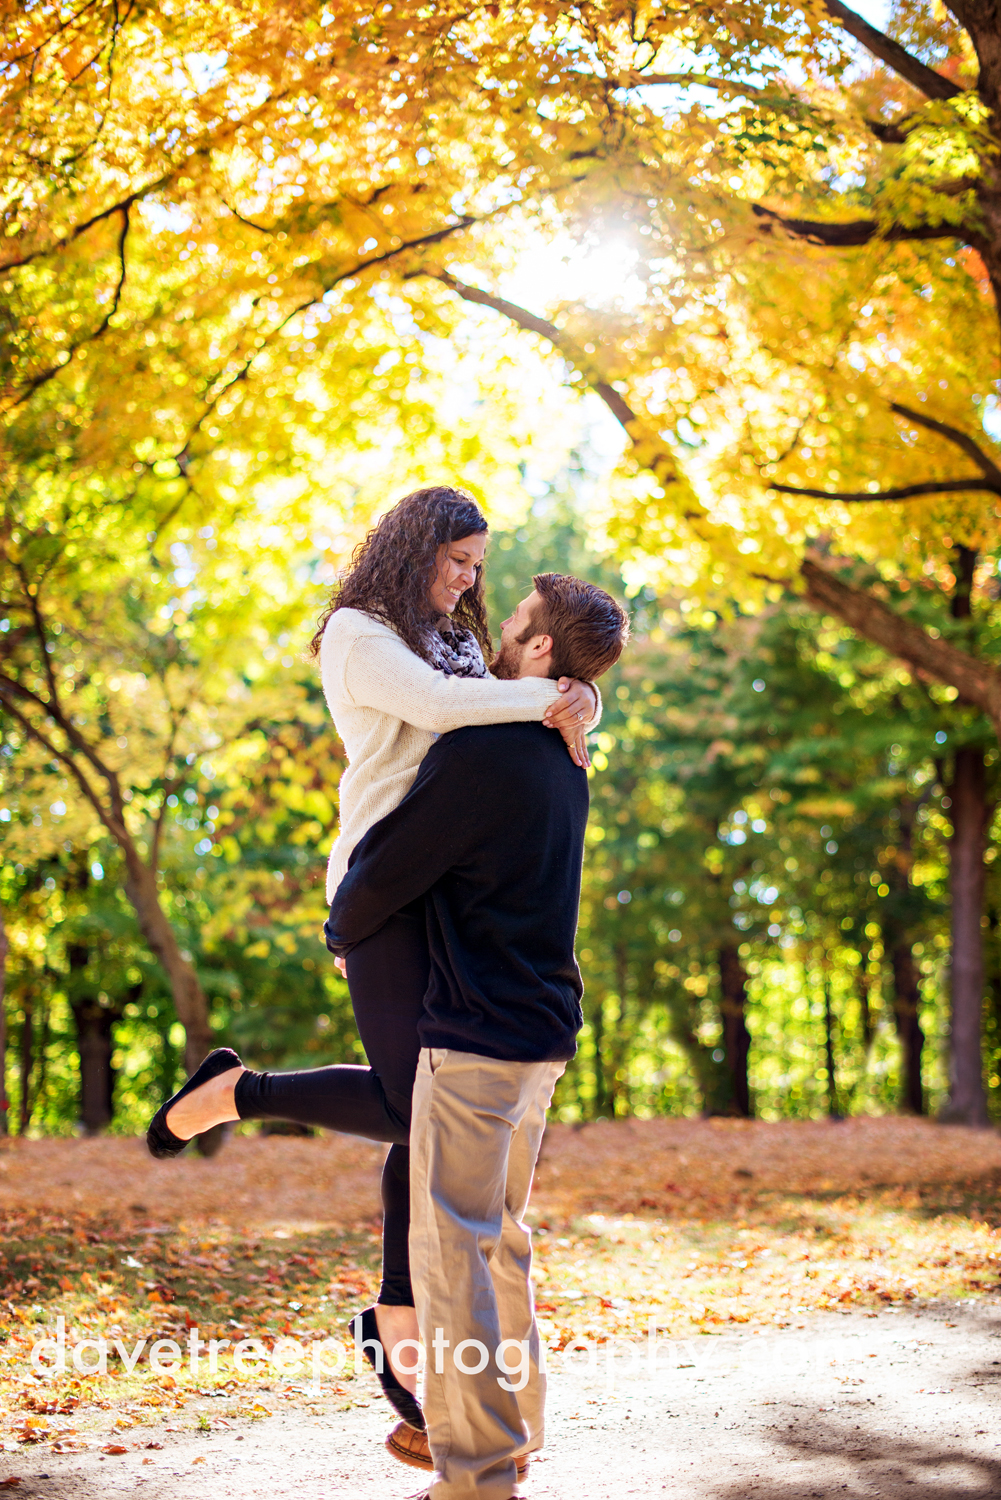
(388, 706)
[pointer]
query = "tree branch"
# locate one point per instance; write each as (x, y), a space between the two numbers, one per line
(63, 26)
(978, 681)
(44, 376)
(649, 448)
(933, 85)
(636, 80)
(43, 641)
(122, 206)
(901, 492)
(619, 408)
(893, 132)
(115, 827)
(858, 231)
(966, 444)
(210, 142)
(182, 457)
(170, 783)
(989, 483)
(54, 712)
(261, 228)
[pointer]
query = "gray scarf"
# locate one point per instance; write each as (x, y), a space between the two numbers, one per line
(455, 651)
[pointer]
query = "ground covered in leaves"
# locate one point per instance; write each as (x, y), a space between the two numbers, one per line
(693, 1225)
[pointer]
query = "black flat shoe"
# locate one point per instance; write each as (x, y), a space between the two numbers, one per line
(365, 1331)
(163, 1142)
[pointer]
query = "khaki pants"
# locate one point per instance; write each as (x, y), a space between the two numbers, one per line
(474, 1142)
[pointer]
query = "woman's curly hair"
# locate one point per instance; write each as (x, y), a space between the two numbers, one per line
(392, 570)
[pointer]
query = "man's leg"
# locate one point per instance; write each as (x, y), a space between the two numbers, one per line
(511, 1266)
(467, 1113)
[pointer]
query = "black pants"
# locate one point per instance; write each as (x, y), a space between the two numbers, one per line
(387, 976)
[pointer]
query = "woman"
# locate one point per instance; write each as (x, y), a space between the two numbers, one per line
(401, 653)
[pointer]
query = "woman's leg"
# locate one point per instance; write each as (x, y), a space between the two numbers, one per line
(388, 976)
(345, 1097)
(395, 1315)
(396, 1290)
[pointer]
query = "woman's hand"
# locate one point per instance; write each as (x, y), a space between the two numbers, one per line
(571, 715)
(341, 966)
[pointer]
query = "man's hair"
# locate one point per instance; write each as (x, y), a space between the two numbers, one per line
(589, 628)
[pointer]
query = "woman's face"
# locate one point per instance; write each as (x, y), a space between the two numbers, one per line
(455, 571)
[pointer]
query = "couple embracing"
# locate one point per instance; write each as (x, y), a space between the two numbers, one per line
(454, 886)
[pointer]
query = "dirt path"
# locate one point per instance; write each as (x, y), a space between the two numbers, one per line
(904, 1403)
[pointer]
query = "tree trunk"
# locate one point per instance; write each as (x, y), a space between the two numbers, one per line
(906, 1004)
(42, 1049)
(833, 1112)
(617, 1050)
(736, 1037)
(898, 943)
(3, 1026)
(969, 811)
(977, 681)
(709, 1077)
(94, 1023)
(189, 997)
(993, 1051)
(26, 1060)
(864, 999)
(598, 1035)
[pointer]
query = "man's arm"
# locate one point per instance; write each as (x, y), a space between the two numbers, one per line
(403, 854)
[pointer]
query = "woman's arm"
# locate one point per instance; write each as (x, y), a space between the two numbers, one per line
(381, 672)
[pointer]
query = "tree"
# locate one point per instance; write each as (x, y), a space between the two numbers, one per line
(249, 912)
(851, 769)
(127, 689)
(760, 790)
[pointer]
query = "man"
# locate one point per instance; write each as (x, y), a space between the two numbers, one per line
(493, 831)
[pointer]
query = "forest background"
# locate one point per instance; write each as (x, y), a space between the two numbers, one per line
(700, 304)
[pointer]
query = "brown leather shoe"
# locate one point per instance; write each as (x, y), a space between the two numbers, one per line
(412, 1447)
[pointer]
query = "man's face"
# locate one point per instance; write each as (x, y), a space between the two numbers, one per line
(510, 659)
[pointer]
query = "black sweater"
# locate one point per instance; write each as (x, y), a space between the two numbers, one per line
(493, 830)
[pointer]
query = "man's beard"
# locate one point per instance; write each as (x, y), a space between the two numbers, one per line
(507, 663)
